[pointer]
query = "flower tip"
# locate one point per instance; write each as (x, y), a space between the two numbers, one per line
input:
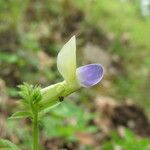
(72, 40)
(74, 37)
(89, 75)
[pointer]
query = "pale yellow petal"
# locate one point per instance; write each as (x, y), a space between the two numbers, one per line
(66, 60)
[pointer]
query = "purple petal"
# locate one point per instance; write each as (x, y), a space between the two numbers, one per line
(89, 75)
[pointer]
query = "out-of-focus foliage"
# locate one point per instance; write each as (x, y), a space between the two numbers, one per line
(129, 141)
(54, 126)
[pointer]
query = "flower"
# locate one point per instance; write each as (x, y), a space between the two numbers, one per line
(86, 76)
(74, 78)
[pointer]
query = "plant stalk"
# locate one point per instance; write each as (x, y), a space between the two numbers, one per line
(35, 132)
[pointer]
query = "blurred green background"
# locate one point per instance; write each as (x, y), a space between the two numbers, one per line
(114, 33)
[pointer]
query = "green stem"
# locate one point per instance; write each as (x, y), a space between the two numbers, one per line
(35, 132)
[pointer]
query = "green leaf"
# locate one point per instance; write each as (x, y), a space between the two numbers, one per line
(20, 114)
(7, 145)
(30, 93)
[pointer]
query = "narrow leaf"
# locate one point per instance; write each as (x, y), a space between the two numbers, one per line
(20, 114)
(6, 144)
